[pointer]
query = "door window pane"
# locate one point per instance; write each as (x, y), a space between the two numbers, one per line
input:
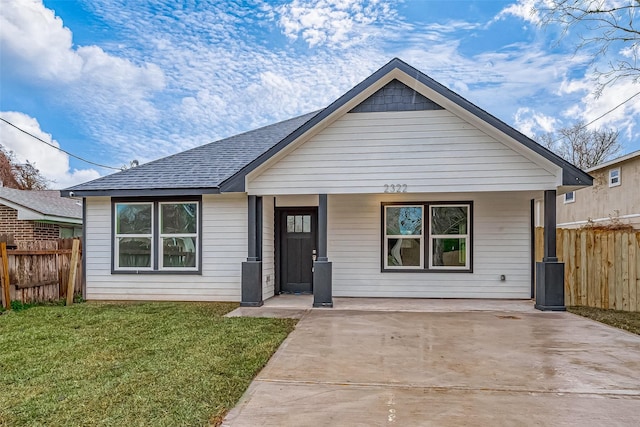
(403, 253)
(298, 223)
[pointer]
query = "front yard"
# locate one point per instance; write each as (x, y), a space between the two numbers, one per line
(629, 321)
(160, 364)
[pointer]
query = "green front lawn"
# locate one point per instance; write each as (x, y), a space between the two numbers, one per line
(147, 364)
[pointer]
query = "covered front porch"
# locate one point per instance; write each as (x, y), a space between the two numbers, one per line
(348, 252)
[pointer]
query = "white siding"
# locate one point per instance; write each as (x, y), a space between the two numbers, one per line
(501, 245)
(268, 251)
(224, 248)
(429, 151)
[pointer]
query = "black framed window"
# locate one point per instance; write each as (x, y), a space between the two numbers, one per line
(156, 236)
(427, 236)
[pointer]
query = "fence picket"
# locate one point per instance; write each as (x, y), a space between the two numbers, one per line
(602, 267)
(633, 280)
(37, 269)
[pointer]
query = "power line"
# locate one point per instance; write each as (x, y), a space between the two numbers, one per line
(58, 148)
(599, 117)
(611, 110)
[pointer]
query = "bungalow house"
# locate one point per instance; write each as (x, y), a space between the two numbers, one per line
(399, 188)
(32, 215)
(613, 196)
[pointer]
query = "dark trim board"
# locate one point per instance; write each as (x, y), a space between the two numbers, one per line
(155, 236)
(278, 214)
(425, 235)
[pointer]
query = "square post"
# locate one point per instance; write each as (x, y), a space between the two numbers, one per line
(550, 272)
(252, 268)
(322, 286)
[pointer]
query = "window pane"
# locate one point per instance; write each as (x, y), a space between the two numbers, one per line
(403, 252)
(298, 228)
(449, 220)
(179, 252)
(179, 218)
(291, 223)
(403, 220)
(449, 252)
(306, 224)
(134, 251)
(133, 218)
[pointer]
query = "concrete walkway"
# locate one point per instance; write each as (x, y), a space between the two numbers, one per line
(447, 366)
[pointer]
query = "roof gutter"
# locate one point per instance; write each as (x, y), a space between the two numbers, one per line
(157, 192)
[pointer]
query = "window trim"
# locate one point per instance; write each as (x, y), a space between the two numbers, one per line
(156, 238)
(466, 236)
(611, 178)
(386, 238)
(572, 199)
(426, 230)
(116, 247)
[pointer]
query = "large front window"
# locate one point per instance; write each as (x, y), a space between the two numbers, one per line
(427, 237)
(151, 236)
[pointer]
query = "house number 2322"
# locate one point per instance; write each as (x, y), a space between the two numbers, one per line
(395, 188)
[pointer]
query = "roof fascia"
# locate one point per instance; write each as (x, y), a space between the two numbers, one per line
(28, 214)
(159, 192)
(340, 106)
(571, 175)
(614, 161)
(24, 213)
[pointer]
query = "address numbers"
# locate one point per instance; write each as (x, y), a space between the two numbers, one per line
(395, 188)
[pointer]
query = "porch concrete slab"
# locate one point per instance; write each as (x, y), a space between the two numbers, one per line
(296, 305)
(343, 367)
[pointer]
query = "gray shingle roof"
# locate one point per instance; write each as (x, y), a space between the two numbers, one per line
(203, 167)
(47, 202)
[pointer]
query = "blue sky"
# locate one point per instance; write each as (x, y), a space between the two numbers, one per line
(112, 81)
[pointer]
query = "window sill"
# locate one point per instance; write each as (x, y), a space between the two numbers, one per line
(160, 272)
(419, 270)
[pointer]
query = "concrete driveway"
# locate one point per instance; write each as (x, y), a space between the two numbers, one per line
(377, 368)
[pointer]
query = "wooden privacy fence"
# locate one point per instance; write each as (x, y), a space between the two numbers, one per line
(39, 271)
(601, 267)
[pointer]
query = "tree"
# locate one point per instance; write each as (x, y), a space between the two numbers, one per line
(608, 26)
(582, 147)
(22, 176)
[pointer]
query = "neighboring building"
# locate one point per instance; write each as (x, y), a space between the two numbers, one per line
(399, 188)
(27, 216)
(615, 195)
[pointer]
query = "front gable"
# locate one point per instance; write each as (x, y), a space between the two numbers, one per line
(397, 131)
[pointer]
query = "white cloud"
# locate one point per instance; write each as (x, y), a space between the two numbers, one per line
(532, 123)
(523, 9)
(39, 46)
(338, 23)
(53, 164)
(605, 110)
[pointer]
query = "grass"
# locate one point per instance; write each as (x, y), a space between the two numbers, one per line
(160, 364)
(629, 321)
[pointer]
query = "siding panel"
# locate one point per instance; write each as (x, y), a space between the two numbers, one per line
(430, 151)
(224, 248)
(501, 245)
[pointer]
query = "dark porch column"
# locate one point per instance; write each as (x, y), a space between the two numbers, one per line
(252, 268)
(322, 292)
(550, 272)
